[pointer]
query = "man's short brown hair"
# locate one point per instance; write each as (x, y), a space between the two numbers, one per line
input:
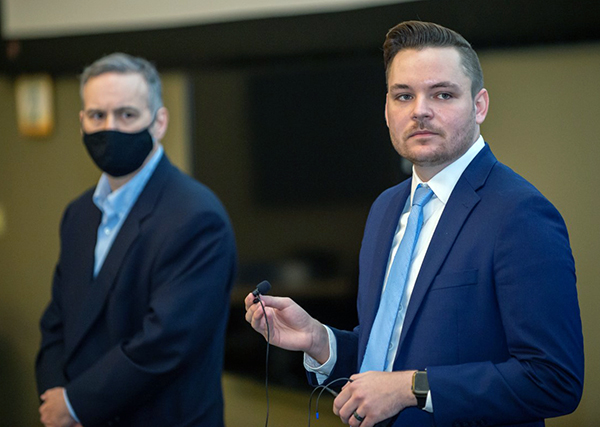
(420, 35)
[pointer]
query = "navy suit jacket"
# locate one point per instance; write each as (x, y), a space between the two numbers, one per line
(142, 344)
(493, 316)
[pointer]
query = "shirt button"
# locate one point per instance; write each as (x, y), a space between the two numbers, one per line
(107, 231)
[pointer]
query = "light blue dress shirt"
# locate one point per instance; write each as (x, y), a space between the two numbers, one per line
(115, 206)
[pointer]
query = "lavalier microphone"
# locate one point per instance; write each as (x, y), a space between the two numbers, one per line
(262, 289)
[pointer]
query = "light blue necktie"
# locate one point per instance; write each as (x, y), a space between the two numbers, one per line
(381, 332)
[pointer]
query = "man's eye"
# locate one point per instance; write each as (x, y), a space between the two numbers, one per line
(96, 116)
(128, 115)
(403, 97)
(444, 95)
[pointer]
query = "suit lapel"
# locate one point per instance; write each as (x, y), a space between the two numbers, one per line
(463, 199)
(101, 287)
(380, 250)
(79, 256)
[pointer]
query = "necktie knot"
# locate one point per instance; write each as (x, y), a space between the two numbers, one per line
(422, 195)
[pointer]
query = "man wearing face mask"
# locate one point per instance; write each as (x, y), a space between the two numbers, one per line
(134, 332)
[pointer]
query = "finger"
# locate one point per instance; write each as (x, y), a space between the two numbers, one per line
(356, 419)
(358, 376)
(346, 413)
(256, 318)
(341, 399)
(250, 314)
(249, 301)
(257, 321)
(278, 303)
(256, 313)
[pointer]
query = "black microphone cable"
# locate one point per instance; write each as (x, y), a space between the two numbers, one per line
(263, 288)
(323, 387)
(266, 361)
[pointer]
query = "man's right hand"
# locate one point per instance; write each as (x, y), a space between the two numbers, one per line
(290, 327)
(54, 411)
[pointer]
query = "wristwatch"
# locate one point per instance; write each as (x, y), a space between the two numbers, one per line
(420, 388)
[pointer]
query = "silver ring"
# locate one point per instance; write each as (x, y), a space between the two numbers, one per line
(358, 417)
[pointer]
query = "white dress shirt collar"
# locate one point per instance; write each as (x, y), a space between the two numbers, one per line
(444, 181)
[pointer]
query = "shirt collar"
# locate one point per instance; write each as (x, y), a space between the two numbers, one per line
(444, 181)
(122, 199)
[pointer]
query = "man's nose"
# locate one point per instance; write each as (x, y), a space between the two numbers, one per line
(110, 122)
(422, 109)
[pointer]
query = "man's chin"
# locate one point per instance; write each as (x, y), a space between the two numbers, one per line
(423, 156)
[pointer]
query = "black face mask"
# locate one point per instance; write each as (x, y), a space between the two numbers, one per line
(118, 153)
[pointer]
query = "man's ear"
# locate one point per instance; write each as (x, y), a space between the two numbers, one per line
(159, 127)
(81, 122)
(482, 103)
(385, 111)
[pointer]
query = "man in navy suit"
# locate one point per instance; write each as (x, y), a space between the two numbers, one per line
(134, 332)
(488, 329)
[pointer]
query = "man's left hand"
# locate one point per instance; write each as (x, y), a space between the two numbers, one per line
(374, 397)
(54, 411)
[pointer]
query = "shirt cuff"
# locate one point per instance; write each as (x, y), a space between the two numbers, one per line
(69, 407)
(323, 371)
(428, 403)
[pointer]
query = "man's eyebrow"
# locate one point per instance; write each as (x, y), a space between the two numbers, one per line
(445, 85)
(400, 86)
(93, 110)
(126, 108)
(116, 110)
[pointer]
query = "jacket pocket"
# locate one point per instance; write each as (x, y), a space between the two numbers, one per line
(455, 279)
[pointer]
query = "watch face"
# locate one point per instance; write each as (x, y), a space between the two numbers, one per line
(420, 383)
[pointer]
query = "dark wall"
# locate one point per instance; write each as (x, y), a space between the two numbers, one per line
(485, 23)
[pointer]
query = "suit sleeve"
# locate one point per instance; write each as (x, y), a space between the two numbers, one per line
(345, 365)
(50, 358)
(534, 278)
(191, 279)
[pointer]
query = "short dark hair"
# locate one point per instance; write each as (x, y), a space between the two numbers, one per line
(123, 63)
(420, 35)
